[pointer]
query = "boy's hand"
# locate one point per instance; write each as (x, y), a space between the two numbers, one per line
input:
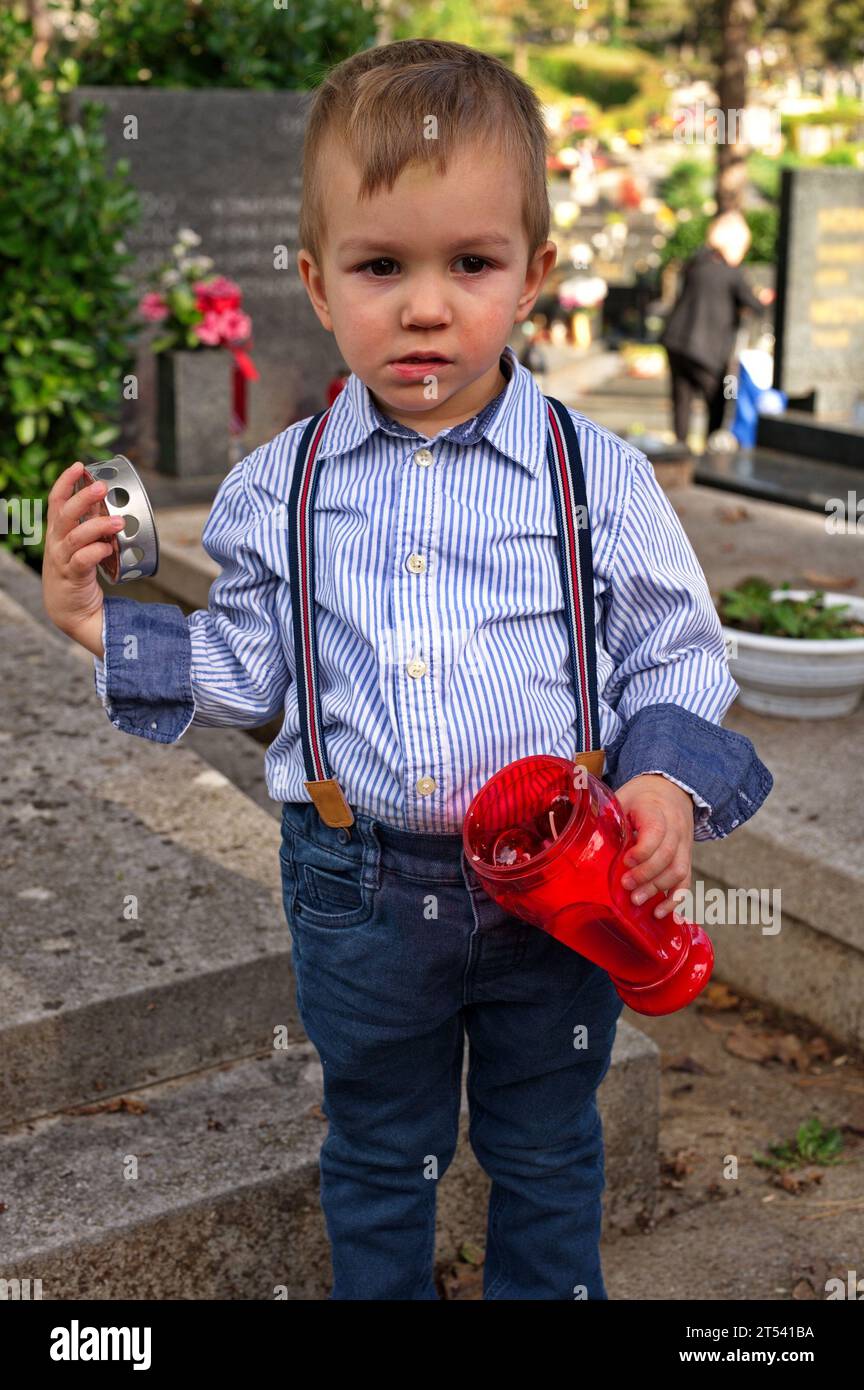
(71, 594)
(662, 815)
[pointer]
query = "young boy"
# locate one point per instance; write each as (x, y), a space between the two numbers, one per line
(406, 613)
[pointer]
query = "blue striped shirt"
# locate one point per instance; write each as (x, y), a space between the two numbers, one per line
(435, 676)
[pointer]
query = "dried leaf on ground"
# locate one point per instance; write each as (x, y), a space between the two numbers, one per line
(714, 1025)
(810, 1278)
(718, 996)
(791, 1050)
(471, 1254)
(768, 1045)
(753, 1047)
(678, 1166)
(798, 1182)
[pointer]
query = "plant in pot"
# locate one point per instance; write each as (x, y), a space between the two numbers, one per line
(796, 653)
(201, 397)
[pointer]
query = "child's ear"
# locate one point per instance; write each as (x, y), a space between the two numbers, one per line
(313, 281)
(541, 263)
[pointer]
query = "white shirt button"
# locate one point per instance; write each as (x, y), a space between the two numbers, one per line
(416, 563)
(426, 785)
(423, 457)
(416, 666)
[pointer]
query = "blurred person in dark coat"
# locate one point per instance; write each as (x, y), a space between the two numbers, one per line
(700, 332)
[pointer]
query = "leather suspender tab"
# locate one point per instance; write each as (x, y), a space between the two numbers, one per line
(330, 802)
(593, 761)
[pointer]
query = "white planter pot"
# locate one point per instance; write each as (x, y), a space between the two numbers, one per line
(795, 678)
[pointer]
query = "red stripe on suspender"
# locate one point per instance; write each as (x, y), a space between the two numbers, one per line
(574, 569)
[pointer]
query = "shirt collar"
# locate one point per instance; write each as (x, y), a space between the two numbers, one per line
(515, 422)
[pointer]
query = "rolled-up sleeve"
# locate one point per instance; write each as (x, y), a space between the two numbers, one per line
(220, 666)
(671, 684)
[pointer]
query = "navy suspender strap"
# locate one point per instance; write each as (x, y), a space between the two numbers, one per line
(577, 577)
(324, 789)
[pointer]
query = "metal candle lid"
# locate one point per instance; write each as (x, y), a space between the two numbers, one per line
(135, 549)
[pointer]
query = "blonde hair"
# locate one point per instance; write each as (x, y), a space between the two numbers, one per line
(377, 105)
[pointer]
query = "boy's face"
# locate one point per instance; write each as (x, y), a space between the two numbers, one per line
(439, 264)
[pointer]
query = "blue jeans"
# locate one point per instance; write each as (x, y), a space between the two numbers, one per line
(396, 949)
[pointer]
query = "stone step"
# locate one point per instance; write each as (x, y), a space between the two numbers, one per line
(797, 942)
(206, 1186)
(142, 933)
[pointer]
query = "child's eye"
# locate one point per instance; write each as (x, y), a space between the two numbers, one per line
(381, 260)
(387, 260)
(480, 260)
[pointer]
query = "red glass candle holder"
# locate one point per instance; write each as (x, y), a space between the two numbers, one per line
(547, 841)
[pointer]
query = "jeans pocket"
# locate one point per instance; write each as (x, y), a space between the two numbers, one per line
(333, 888)
(331, 893)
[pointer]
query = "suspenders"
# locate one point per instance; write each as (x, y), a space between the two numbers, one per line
(577, 577)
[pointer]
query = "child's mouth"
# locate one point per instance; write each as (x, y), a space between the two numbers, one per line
(417, 366)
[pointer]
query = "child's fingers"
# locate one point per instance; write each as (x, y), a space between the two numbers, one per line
(670, 903)
(677, 868)
(89, 556)
(76, 505)
(63, 489)
(653, 851)
(668, 870)
(64, 483)
(97, 528)
(664, 868)
(650, 835)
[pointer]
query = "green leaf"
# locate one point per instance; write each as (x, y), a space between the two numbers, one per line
(13, 245)
(80, 353)
(25, 428)
(104, 436)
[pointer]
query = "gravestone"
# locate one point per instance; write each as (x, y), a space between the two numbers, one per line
(819, 315)
(226, 163)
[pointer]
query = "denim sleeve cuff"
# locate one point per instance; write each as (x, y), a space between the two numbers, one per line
(718, 766)
(146, 672)
(701, 809)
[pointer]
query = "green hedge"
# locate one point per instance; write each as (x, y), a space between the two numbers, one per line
(219, 43)
(610, 77)
(66, 306)
(688, 184)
